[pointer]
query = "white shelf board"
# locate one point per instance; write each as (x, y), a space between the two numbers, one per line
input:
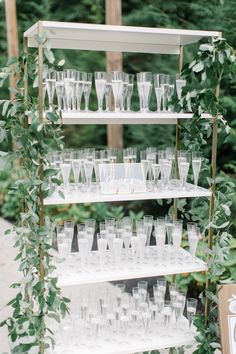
(124, 117)
(69, 272)
(67, 35)
(77, 197)
(174, 337)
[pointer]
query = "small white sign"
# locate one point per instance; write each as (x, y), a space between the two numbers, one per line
(232, 333)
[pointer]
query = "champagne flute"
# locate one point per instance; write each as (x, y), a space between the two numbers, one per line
(79, 89)
(50, 87)
(191, 310)
(117, 88)
(158, 91)
(100, 83)
(87, 89)
(130, 91)
(196, 166)
(144, 82)
(59, 84)
(102, 248)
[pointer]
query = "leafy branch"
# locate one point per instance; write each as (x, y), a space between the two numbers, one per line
(39, 299)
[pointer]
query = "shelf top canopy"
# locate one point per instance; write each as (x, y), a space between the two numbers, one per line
(67, 35)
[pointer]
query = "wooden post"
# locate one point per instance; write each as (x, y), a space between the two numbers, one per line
(114, 63)
(12, 37)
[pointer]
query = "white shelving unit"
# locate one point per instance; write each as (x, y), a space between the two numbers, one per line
(122, 39)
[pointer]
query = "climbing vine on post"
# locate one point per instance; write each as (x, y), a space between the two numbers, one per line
(214, 62)
(39, 299)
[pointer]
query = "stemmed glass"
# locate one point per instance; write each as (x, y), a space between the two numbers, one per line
(65, 167)
(169, 228)
(107, 92)
(160, 236)
(170, 91)
(183, 165)
(167, 312)
(191, 310)
(145, 163)
(78, 91)
(117, 88)
(102, 248)
(100, 84)
(193, 237)
(158, 91)
(83, 244)
(196, 166)
(88, 170)
(50, 87)
(144, 82)
(117, 249)
(76, 167)
(125, 82)
(87, 89)
(60, 89)
(179, 83)
(177, 231)
(69, 84)
(130, 91)
(164, 84)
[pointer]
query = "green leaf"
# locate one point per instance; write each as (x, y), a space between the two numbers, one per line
(198, 67)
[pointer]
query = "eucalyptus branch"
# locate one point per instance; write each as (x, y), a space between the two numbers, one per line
(38, 300)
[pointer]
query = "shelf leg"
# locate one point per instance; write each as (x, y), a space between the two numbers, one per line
(41, 207)
(178, 137)
(212, 198)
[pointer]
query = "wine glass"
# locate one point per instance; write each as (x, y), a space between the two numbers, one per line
(145, 163)
(50, 87)
(117, 88)
(167, 312)
(177, 231)
(87, 89)
(196, 166)
(169, 228)
(59, 84)
(130, 91)
(144, 82)
(158, 91)
(100, 83)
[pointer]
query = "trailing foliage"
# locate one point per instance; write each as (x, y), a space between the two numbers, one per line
(39, 298)
(214, 59)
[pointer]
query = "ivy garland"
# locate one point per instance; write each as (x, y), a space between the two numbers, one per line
(39, 300)
(214, 61)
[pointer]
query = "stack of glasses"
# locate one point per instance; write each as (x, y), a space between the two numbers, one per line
(118, 241)
(71, 85)
(158, 167)
(113, 316)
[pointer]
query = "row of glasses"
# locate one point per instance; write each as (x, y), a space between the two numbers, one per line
(158, 166)
(127, 241)
(71, 85)
(111, 316)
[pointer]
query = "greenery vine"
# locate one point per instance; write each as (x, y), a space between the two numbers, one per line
(214, 62)
(39, 298)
